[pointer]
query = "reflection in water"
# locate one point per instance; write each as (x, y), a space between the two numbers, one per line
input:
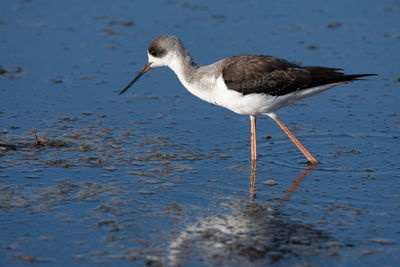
(247, 233)
(252, 184)
(250, 233)
(288, 192)
(297, 182)
(253, 180)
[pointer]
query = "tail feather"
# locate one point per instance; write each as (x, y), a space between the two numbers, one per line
(323, 75)
(355, 77)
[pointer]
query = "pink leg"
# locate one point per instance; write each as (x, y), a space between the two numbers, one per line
(308, 155)
(253, 140)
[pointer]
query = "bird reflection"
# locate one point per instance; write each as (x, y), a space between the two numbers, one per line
(248, 233)
(253, 180)
(297, 182)
(288, 193)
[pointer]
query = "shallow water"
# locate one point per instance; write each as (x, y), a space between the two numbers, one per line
(157, 177)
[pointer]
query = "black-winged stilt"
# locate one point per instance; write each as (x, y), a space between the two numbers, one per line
(249, 84)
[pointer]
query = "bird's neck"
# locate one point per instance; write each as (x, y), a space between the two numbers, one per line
(198, 80)
(184, 68)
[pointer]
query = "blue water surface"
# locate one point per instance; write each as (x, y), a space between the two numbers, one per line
(158, 177)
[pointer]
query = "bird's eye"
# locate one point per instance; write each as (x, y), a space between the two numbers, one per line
(156, 52)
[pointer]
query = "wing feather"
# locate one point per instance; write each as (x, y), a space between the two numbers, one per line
(249, 74)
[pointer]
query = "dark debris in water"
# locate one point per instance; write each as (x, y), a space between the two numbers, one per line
(312, 47)
(121, 23)
(100, 147)
(346, 152)
(10, 74)
(29, 259)
(44, 199)
(55, 81)
(334, 25)
(34, 144)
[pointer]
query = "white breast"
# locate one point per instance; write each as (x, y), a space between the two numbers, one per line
(216, 92)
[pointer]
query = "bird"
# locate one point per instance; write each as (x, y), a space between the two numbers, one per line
(249, 84)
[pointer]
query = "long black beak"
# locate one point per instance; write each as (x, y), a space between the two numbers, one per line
(146, 68)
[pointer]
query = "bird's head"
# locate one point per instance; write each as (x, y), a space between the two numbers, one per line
(163, 51)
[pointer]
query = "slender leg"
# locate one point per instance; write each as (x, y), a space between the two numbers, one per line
(253, 140)
(253, 158)
(310, 158)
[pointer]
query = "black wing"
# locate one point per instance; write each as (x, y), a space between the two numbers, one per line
(274, 76)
